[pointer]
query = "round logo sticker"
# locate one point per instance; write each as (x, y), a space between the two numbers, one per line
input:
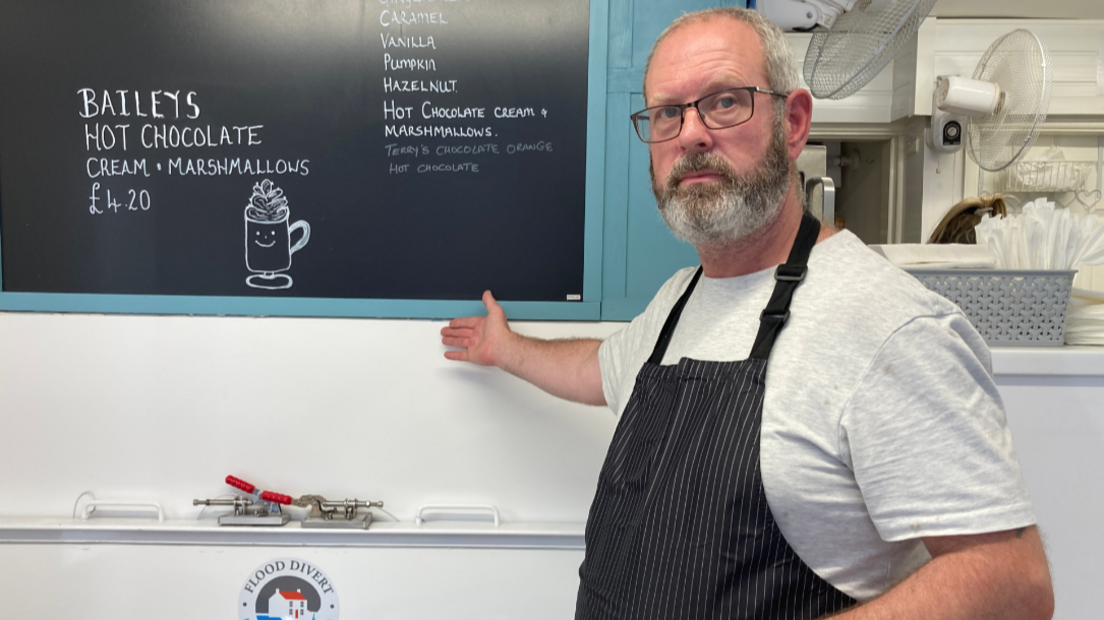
(288, 589)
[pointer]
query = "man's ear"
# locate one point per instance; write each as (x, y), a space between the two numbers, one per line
(799, 117)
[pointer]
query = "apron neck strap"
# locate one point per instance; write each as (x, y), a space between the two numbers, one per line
(787, 277)
(672, 319)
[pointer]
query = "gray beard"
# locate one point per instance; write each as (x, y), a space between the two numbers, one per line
(731, 211)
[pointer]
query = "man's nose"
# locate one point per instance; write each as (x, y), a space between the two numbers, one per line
(695, 136)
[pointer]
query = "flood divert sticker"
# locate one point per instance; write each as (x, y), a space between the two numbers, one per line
(288, 589)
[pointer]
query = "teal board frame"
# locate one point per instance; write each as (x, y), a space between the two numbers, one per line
(639, 250)
(588, 309)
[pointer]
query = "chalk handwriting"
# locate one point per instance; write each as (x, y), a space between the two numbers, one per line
(402, 18)
(104, 137)
(467, 149)
(392, 111)
(394, 150)
(461, 167)
(156, 105)
(172, 136)
(514, 112)
(399, 116)
(133, 200)
(542, 146)
(418, 86)
(435, 131)
(408, 64)
(411, 42)
(236, 166)
(115, 167)
(429, 111)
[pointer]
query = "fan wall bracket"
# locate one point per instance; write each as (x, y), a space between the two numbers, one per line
(946, 134)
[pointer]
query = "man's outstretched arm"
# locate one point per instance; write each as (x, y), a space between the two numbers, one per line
(564, 368)
(997, 576)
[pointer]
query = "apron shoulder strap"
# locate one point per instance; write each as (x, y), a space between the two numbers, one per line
(672, 319)
(787, 277)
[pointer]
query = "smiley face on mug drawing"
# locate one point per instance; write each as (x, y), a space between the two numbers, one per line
(262, 237)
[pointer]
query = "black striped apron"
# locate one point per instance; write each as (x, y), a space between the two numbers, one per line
(680, 526)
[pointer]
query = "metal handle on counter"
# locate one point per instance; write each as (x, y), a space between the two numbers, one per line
(828, 210)
(418, 520)
(90, 507)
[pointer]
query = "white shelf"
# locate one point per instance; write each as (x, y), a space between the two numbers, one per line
(209, 533)
(1064, 361)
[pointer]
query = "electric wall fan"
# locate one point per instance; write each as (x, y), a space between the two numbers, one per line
(853, 40)
(1004, 104)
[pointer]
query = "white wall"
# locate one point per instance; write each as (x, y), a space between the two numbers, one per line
(1074, 119)
(163, 408)
(1055, 9)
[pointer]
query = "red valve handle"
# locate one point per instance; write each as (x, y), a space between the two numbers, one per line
(279, 498)
(267, 496)
(239, 484)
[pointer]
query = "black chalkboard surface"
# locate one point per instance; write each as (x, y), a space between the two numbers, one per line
(375, 149)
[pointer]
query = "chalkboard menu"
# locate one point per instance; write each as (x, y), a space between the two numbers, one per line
(374, 149)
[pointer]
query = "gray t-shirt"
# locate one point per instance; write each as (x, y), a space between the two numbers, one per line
(881, 422)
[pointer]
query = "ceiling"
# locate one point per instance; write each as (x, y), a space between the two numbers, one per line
(1056, 9)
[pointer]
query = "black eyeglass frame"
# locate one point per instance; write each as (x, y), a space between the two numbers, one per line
(635, 116)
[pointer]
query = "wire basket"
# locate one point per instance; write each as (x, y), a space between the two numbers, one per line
(1012, 308)
(1046, 176)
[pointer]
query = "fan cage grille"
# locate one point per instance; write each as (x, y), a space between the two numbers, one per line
(842, 60)
(1020, 64)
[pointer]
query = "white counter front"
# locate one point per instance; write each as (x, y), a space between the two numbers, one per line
(162, 408)
(1078, 361)
(1055, 404)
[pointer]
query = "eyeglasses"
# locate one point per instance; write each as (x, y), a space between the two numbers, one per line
(720, 110)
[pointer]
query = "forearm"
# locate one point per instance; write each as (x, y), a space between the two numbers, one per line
(564, 368)
(1003, 577)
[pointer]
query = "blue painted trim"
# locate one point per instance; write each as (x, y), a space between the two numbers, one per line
(617, 197)
(291, 306)
(620, 34)
(596, 151)
(587, 310)
(624, 308)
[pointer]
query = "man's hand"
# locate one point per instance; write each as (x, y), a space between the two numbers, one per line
(480, 338)
(564, 368)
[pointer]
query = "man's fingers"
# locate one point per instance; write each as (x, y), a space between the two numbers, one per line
(456, 332)
(461, 343)
(460, 356)
(467, 321)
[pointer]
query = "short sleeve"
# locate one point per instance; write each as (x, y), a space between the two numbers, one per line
(618, 360)
(927, 438)
(623, 354)
(610, 363)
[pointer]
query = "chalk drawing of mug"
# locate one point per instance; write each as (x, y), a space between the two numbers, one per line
(268, 246)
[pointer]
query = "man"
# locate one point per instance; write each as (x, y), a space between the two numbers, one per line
(805, 431)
